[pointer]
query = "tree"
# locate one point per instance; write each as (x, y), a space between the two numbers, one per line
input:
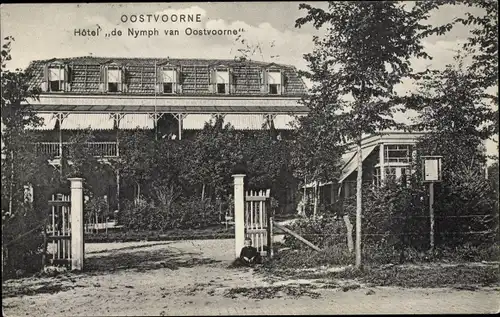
(269, 165)
(456, 112)
(22, 220)
(216, 149)
(137, 155)
(366, 51)
(452, 105)
(317, 146)
(484, 40)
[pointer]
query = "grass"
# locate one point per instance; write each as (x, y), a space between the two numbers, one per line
(383, 270)
(310, 258)
(339, 255)
(459, 276)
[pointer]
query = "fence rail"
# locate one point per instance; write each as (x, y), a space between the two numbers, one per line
(53, 149)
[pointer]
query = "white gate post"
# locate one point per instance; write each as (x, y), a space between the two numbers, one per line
(239, 213)
(77, 247)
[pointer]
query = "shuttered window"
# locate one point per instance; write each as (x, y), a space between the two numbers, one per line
(274, 81)
(56, 78)
(114, 79)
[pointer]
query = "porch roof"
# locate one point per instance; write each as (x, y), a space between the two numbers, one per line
(239, 121)
(95, 121)
(352, 162)
(170, 109)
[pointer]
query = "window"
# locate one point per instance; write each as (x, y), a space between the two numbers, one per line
(221, 88)
(168, 88)
(114, 79)
(397, 153)
(274, 82)
(56, 78)
(222, 80)
(273, 89)
(169, 79)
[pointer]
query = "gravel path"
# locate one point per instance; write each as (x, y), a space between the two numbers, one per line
(193, 278)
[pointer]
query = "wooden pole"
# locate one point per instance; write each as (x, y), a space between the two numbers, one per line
(180, 126)
(382, 163)
(431, 213)
(60, 146)
(359, 200)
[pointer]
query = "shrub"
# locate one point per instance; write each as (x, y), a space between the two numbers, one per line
(322, 232)
(22, 242)
(180, 214)
(308, 258)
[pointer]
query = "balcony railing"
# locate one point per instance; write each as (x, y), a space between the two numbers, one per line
(53, 149)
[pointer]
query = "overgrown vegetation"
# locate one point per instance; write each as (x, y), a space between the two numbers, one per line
(188, 184)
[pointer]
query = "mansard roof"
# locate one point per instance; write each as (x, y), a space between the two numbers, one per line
(85, 74)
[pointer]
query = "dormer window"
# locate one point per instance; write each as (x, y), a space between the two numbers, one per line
(274, 82)
(168, 79)
(169, 76)
(55, 77)
(114, 79)
(221, 80)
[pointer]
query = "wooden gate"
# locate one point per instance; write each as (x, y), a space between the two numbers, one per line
(258, 224)
(59, 230)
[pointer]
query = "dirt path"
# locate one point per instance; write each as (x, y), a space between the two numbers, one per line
(193, 278)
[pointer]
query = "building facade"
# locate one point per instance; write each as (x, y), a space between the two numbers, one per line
(170, 98)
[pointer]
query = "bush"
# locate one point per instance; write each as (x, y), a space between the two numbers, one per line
(322, 232)
(181, 214)
(466, 210)
(22, 242)
(307, 258)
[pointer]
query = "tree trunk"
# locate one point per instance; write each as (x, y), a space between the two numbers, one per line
(348, 225)
(203, 192)
(11, 185)
(359, 182)
(44, 251)
(315, 210)
(304, 198)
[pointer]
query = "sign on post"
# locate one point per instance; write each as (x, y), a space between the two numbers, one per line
(431, 168)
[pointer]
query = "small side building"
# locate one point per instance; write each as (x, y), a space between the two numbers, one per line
(387, 155)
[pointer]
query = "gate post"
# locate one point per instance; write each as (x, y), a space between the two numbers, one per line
(77, 247)
(239, 213)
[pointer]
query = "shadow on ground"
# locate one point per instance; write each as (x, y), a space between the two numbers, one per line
(106, 262)
(144, 260)
(132, 247)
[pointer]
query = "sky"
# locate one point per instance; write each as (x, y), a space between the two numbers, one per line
(44, 31)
